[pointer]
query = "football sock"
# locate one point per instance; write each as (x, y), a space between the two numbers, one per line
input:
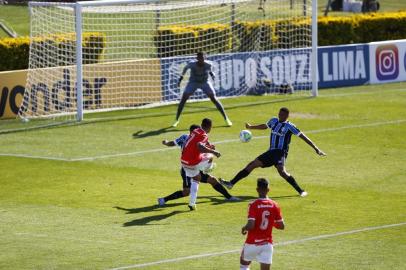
(176, 195)
(219, 188)
(294, 184)
(240, 175)
(220, 107)
(244, 267)
(193, 192)
(180, 109)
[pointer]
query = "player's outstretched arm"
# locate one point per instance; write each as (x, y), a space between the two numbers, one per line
(261, 126)
(204, 149)
(168, 143)
(183, 74)
(309, 142)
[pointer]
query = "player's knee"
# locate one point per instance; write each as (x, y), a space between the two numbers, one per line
(282, 172)
(186, 192)
(253, 165)
(212, 181)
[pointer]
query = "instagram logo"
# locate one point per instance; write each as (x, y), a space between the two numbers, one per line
(387, 62)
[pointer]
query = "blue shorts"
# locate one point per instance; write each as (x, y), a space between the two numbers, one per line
(206, 87)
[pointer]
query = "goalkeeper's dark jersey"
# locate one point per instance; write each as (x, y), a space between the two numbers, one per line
(281, 134)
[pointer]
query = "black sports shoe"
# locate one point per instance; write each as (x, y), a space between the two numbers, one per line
(225, 183)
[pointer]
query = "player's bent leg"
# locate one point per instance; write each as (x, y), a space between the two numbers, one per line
(290, 179)
(256, 163)
(218, 187)
(219, 107)
(193, 191)
(186, 192)
(265, 266)
(181, 105)
(244, 264)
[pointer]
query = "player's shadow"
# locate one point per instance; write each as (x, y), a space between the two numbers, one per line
(146, 220)
(217, 200)
(141, 134)
(147, 209)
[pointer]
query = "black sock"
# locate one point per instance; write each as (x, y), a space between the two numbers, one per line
(219, 188)
(294, 184)
(176, 195)
(240, 175)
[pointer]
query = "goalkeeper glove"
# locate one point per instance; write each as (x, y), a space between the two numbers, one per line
(180, 80)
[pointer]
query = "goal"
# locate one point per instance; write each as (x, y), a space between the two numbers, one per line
(105, 55)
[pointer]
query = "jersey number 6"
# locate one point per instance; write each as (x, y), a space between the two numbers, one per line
(264, 220)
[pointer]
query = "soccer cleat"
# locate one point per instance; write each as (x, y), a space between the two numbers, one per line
(233, 199)
(228, 122)
(176, 123)
(161, 202)
(303, 193)
(192, 207)
(225, 183)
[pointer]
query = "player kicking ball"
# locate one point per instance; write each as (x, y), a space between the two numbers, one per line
(264, 214)
(281, 133)
(205, 177)
(197, 155)
(199, 79)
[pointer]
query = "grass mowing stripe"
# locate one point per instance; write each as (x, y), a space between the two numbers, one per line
(291, 242)
(36, 235)
(237, 140)
(400, 121)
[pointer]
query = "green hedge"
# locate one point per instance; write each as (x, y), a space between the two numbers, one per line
(275, 34)
(362, 28)
(190, 39)
(14, 52)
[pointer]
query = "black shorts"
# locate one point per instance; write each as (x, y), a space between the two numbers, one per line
(273, 157)
(187, 181)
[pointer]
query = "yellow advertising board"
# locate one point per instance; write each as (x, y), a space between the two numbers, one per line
(109, 85)
(12, 84)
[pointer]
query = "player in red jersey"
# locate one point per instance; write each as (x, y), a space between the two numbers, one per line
(263, 215)
(197, 155)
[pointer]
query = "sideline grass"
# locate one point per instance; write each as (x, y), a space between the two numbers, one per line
(101, 214)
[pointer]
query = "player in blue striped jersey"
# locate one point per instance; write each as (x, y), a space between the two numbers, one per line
(206, 178)
(281, 133)
(199, 79)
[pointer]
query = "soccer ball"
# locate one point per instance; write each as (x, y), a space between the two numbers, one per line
(245, 135)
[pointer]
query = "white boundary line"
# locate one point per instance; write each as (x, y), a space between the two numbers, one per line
(399, 121)
(291, 242)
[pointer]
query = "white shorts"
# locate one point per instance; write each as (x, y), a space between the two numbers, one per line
(259, 253)
(204, 165)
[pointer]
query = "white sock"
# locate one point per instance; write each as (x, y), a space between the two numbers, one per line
(244, 267)
(193, 192)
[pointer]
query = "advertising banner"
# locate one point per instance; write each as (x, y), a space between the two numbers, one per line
(241, 73)
(388, 61)
(53, 90)
(346, 65)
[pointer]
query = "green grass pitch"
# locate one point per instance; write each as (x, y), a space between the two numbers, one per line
(60, 212)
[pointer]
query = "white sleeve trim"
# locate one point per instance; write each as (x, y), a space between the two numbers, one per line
(279, 220)
(251, 218)
(299, 134)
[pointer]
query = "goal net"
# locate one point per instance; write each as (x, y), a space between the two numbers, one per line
(104, 55)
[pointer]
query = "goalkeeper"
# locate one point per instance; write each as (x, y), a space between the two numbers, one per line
(199, 79)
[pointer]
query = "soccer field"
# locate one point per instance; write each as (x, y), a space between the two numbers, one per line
(84, 196)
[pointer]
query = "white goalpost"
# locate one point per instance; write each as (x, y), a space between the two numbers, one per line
(106, 55)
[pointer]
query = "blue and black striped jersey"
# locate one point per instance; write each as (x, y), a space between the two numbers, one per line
(281, 133)
(181, 140)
